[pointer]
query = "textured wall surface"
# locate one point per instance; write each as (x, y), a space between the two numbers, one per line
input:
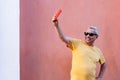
(43, 56)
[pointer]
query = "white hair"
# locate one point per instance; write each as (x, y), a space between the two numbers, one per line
(94, 28)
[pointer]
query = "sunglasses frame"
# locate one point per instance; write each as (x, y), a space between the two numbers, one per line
(90, 34)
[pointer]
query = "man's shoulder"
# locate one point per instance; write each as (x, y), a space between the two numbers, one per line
(98, 49)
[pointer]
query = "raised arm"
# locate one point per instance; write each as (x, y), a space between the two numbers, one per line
(60, 32)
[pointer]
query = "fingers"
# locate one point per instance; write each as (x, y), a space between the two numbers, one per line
(55, 22)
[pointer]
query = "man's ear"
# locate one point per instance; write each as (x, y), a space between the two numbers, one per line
(96, 36)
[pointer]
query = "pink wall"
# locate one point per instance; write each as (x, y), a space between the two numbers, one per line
(43, 56)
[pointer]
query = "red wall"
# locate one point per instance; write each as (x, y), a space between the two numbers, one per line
(43, 56)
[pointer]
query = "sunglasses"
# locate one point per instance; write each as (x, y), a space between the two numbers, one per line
(90, 34)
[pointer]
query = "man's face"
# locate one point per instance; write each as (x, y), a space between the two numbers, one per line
(90, 36)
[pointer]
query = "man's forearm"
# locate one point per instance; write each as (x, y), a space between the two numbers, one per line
(102, 70)
(61, 34)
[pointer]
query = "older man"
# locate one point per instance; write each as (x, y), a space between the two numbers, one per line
(85, 55)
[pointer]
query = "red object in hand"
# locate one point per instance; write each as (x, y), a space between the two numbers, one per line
(57, 14)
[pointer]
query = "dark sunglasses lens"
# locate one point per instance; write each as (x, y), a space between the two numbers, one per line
(90, 34)
(85, 33)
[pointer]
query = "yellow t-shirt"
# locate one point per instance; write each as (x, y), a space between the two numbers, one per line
(84, 60)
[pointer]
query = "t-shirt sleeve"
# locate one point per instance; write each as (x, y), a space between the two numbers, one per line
(102, 59)
(73, 44)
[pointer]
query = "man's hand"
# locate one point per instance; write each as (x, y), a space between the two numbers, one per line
(55, 22)
(98, 78)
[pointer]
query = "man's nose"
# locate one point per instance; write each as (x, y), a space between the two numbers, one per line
(88, 35)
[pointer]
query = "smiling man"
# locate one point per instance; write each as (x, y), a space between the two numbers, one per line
(85, 55)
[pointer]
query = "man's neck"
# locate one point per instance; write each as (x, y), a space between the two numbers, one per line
(90, 44)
